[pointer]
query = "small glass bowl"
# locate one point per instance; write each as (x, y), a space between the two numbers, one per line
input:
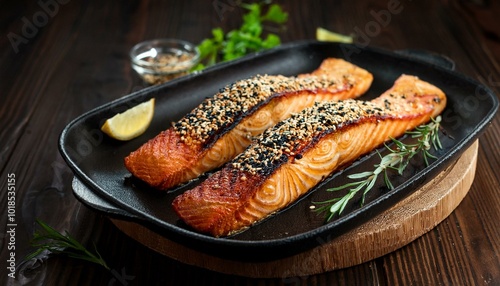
(161, 60)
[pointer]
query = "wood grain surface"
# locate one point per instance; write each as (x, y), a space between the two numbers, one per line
(60, 59)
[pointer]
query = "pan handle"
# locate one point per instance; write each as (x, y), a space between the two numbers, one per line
(97, 203)
(430, 57)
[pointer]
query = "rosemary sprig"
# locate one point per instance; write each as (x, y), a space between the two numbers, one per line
(398, 159)
(51, 240)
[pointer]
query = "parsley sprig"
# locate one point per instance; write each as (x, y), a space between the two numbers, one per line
(49, 239)
(247, 39)
(397, 160)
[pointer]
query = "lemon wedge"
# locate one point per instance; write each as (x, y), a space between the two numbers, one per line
(130, 123)
(329, 36)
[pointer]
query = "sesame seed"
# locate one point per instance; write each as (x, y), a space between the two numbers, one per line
(214, 115)
(281, 142)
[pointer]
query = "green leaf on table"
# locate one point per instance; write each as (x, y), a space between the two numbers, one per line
(249, 38)
(275, 14)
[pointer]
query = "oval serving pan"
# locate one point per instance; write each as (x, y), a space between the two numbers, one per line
(97, 161)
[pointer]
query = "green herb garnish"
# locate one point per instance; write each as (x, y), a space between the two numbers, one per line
(247, 39)
(51, 240)
(397, 160)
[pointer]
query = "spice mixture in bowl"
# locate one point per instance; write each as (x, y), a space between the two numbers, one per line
(161, 60)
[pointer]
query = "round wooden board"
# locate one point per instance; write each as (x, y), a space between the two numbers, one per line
(396, 227)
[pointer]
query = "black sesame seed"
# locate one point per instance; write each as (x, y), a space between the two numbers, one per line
(290, 134)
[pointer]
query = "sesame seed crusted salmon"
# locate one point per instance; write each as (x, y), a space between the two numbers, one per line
(296, 154)
(223, 126)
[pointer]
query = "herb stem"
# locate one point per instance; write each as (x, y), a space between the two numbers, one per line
(397, 160)
(53, 241)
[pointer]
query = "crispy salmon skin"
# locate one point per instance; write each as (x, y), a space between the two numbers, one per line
(296, 154)
(223, 126)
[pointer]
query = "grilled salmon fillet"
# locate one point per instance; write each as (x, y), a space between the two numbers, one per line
(299, 152)
(223, 126)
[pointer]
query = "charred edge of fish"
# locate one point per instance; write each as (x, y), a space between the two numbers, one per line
(300, 132)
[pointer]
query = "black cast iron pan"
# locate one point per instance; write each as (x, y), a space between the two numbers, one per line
(103, 183)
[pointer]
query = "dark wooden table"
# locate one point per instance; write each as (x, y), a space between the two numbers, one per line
(60, 59)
